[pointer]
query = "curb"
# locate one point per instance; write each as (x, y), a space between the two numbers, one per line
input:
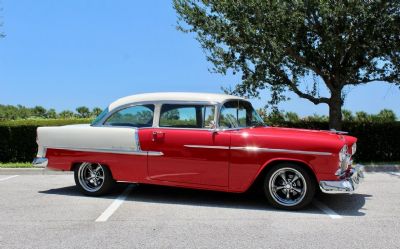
(32, 171)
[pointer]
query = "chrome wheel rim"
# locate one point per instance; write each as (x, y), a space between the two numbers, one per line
(287, 186)
(91, 176)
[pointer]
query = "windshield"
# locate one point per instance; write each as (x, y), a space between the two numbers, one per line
(100, 117)
(239, 114)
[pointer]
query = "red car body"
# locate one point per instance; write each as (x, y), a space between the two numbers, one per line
(225, 169)
(204, 141)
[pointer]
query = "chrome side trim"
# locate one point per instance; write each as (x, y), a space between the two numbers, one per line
(113, 151)
(155, 153)
(303, 152)
(258, 149)
(40, 162)
(206, 147)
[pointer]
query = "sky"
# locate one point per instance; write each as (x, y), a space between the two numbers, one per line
(65, 54)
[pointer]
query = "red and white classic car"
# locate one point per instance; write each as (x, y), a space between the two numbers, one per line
(199, 140)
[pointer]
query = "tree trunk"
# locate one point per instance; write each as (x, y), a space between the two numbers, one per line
(335, 111)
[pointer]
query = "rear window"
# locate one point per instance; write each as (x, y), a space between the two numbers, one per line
(135, 116)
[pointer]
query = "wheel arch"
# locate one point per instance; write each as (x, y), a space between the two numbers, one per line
(76, 164)
(269, 165)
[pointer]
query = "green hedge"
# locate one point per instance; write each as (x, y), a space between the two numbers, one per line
(18, 138)
(378, 142)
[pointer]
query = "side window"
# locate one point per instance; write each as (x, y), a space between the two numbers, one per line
(208, 117)
(135, 116)
(237, 113)
(228, 115)
(187, 116)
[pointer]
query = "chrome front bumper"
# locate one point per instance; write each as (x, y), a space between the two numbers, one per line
(40, 162)
(344, 186)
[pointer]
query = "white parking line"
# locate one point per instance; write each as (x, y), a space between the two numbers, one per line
(115, 205)
(3, 179)
(395, 173)
(327, 210)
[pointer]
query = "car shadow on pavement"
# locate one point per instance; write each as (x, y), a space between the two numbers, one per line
(346, 205)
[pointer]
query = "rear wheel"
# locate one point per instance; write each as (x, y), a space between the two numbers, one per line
(289, 186)
(93, 179)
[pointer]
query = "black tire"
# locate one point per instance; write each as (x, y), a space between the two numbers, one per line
(289, 193)
(93, 183)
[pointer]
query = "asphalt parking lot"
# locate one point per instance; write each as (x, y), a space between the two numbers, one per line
(47, 211)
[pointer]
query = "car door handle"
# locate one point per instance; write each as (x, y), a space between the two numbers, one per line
(157, 135)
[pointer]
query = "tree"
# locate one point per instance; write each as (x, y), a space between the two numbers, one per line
(96, 111)
(51, 113)
(347, 116)
(292, 117)
(66, 114)
(39, 112)
(83, 112)
(386, 115)
(298, 45)
(363, 117)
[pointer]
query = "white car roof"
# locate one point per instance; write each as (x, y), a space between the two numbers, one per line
(172, 96)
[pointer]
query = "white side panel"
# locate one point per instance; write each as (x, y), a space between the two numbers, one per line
(88, 137)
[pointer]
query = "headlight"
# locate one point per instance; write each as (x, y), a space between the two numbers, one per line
(343, 153)
(354, 148)
(344, 159)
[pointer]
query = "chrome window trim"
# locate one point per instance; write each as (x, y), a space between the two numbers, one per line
(157, 110)
(203, 103)
(102, 122)
(220, 105)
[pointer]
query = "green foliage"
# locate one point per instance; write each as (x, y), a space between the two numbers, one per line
(44, 122)
(276, 117)
(83, 112)
(18, 137)
(298, 45)
(96, 112)
(347, 116)
(376, 141)
(292, 117)
(51, 113)
(383, 116)
(66, 114)
(10, 112)
(16, 165)
(39, 112)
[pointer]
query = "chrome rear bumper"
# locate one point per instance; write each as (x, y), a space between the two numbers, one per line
(40, 162)
(344, 186)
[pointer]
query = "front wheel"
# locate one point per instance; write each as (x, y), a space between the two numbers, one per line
(93, 179)
(288, 186)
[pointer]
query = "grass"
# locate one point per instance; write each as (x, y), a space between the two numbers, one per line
(16, 165)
